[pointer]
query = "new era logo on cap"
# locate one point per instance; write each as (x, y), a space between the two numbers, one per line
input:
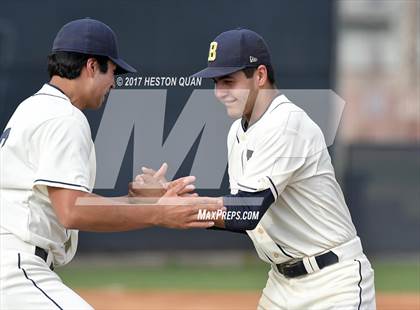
(253, 59)
(235, 50)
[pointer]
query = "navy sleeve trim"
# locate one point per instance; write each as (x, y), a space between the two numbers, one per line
(246, 202)
(63, 183)
(225, 229)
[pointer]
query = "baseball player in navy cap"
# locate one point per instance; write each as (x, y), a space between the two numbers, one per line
(278, 154)
(47, 161)
(280, 170)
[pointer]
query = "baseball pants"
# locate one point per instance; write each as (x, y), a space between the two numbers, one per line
(344, 285)
(27, 282)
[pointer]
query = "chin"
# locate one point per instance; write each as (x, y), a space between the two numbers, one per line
(96, 106)
(232, 113)
(101, 103)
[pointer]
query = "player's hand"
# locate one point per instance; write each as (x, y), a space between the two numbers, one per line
(149, 184)
(159, 175)
(146, 186)
(183, 212)
(154, 184)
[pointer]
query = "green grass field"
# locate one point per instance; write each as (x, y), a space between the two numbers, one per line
(389, 277)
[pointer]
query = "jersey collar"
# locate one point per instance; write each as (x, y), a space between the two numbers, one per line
(51, 90)
(278, 100)
(57, 88)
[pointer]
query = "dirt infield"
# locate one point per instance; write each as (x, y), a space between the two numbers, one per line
(198, 300)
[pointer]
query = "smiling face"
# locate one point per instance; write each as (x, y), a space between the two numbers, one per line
(237, 92)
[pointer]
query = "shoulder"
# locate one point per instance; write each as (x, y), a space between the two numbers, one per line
(288, 124)
(286, 117)
(42, 108)
(281, 111)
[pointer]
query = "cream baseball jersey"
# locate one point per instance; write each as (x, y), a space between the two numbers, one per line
(48, 143)
(285, 151)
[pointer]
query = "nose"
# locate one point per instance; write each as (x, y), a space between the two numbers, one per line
(219, 91)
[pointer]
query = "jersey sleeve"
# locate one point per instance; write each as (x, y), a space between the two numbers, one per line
(62, 154)
(274, 161)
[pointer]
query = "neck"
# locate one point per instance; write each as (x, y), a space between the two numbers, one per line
(70, 88)
(262, 102)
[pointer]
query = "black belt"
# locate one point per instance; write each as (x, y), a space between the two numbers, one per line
(295, 269)
(40, 252)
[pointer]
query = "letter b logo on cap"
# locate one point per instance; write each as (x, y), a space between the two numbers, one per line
(212, 51)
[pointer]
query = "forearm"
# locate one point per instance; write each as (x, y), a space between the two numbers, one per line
(99, 214)
(112, 218)
(89, 212)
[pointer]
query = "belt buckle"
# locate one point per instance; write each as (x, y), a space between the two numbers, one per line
(289, 264)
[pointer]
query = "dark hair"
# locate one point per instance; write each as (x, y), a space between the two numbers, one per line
(249, 72)
(69, 64)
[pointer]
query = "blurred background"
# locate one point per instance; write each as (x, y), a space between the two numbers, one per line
(367, 51)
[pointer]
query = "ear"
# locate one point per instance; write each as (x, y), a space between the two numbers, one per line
(91, 67)
(261, 75)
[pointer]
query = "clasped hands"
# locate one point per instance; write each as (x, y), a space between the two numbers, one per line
(179, 205)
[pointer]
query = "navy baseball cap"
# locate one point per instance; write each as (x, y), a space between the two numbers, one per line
(235, 50)
(90, 36)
